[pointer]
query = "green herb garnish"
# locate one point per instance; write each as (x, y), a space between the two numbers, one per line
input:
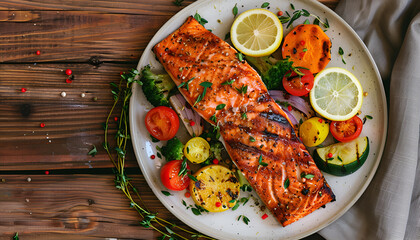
(240, 56)
(261, 163)
(251, 139)
(213, 118)
(201, 96)
(183, 169)
(220, 106)
(341, 52)
(185, 84)
(192, 178)
(286, 183)
(166, 193)
(244, 116)
(235, 10)
(245, 219)
(199, 19)
(229, 82)
(309, 176)
(299, 13)
(264, 5)
(93, 152)
(243, 89)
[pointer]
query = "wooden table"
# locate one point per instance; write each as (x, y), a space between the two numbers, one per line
(50, 188)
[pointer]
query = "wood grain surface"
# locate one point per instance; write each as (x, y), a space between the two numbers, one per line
(73, 124)
(96, 39)
(70, 206)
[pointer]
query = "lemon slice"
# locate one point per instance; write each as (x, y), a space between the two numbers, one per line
(256, 32)
(337, 94)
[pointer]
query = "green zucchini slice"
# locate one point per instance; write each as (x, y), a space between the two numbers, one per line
(346, 157)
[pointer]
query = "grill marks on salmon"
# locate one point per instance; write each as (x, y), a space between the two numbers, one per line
(193, 54)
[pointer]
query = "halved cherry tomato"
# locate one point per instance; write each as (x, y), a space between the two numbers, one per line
(162, 123)
(346, 131)
(169, 176)
(298, 85)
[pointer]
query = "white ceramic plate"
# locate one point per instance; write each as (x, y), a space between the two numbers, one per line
(347, 189)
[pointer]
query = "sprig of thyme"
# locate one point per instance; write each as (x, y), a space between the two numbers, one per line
(122, 93)
(299, 13)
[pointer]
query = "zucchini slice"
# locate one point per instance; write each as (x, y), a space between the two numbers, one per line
(346, 157)
(216, 188)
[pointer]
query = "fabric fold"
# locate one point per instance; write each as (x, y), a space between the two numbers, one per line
(390, 206)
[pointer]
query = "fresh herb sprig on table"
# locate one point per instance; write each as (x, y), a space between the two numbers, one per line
(122, 93)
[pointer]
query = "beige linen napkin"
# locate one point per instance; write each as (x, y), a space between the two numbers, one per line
(390, 206)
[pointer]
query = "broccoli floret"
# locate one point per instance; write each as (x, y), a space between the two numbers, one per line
(157, 87)
(173, 150)
(271, 70)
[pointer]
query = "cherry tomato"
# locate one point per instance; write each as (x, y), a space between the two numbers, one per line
(298, 85)
(169, 176)
(162, 123)
(346, 131)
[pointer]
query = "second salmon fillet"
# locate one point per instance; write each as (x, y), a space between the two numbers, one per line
(257, 133)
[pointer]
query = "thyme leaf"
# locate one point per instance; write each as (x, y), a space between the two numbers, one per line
(220, 106)
(235, 10)
(93, 152)
(229, 82)
(166, 193)
(199, 19)
(286, 183)
(261, 163)
(265, 5)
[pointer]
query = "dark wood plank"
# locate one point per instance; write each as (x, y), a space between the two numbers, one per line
(75, 36)
(72, 206)
(72, 123)
(156, 7)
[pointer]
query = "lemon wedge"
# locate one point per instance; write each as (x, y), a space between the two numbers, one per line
(337, 94)
(256, 32)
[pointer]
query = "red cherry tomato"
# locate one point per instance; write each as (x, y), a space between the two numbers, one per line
(345, 131)
(169, 176)
(298, 85)
(162, 123)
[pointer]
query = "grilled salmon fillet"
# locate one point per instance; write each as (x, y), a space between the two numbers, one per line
(257, 133)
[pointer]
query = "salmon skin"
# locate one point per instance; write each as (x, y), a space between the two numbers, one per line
(257, 133)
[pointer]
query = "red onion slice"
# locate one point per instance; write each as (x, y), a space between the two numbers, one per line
(296, 102)
(292, 117)
(187, 114)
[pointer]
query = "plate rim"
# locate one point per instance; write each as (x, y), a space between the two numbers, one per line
(360, 190)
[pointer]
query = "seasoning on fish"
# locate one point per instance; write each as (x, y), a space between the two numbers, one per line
(263, 145)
